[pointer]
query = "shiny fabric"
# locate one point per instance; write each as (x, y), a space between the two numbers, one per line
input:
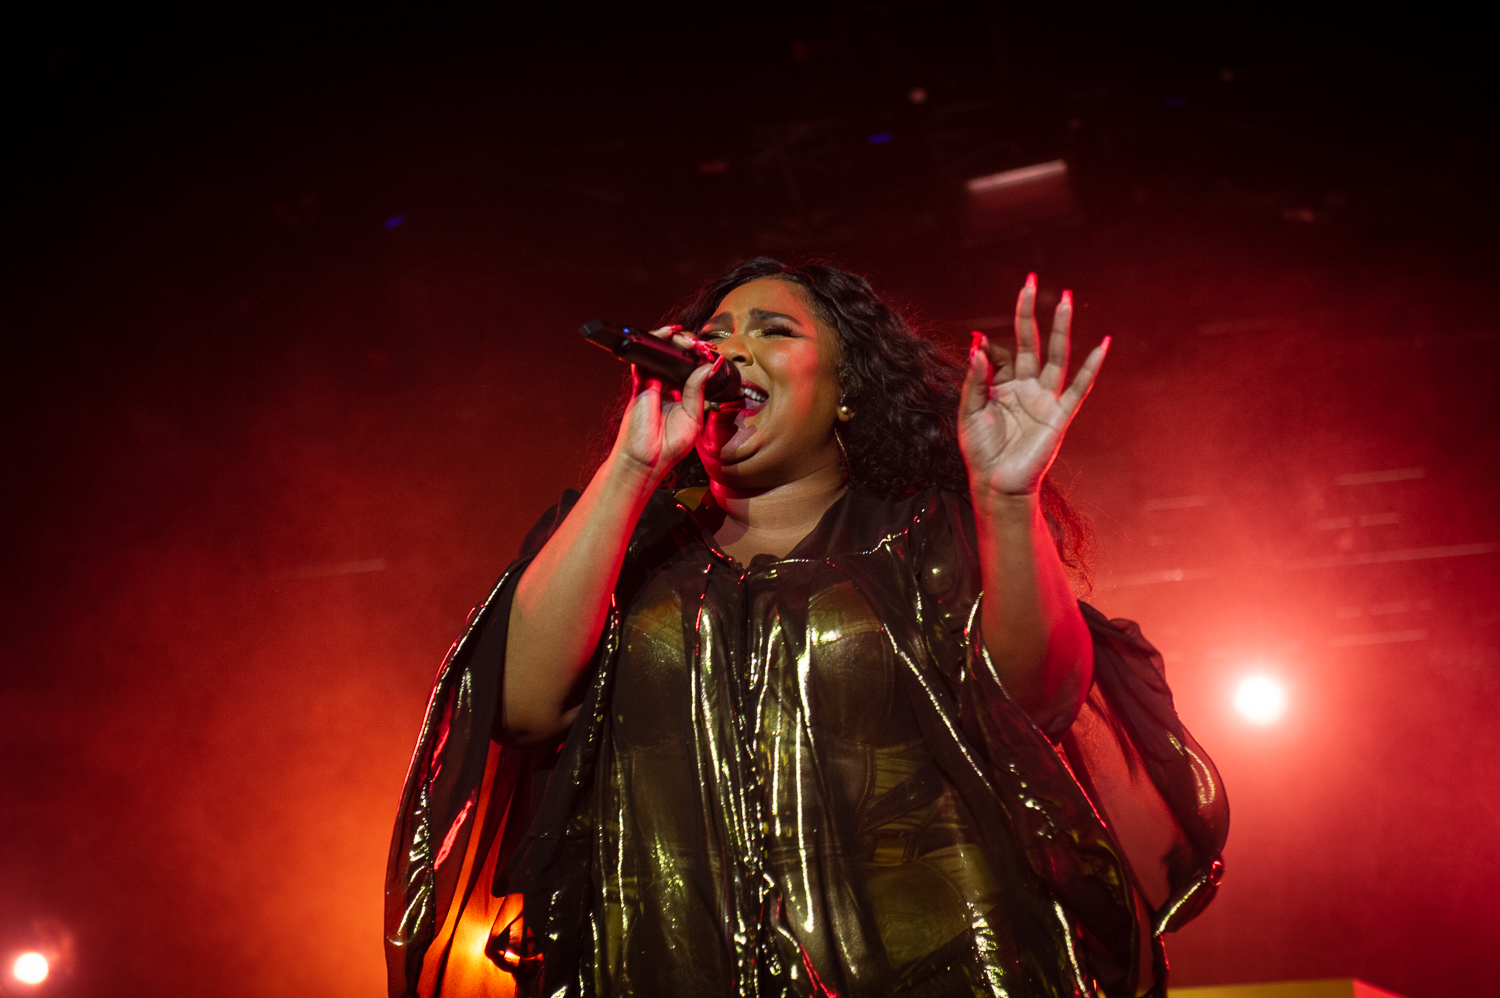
(799, 777)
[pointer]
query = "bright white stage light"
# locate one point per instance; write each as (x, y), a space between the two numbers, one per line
(1261, 700)
(30, 968)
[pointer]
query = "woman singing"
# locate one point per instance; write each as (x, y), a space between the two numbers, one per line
(796, 699)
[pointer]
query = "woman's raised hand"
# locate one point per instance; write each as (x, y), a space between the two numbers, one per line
(662, 425)
(1014, 411)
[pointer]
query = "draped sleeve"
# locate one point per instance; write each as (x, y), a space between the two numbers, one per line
(464, 793)
(1148, 776)
(1115, 810)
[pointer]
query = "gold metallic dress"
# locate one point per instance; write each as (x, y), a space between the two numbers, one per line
(799, 777)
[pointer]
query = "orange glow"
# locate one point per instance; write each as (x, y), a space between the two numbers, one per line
(30, 968)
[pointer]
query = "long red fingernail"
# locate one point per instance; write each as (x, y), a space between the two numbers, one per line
(1067, 298)
(1106, 342)
(1031, 280)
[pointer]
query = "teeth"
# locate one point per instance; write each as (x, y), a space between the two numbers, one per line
(753, 395)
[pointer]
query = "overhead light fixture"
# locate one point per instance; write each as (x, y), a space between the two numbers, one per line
(1019, 201)
(1052, 170)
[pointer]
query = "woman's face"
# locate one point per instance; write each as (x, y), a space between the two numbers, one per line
(788, 360)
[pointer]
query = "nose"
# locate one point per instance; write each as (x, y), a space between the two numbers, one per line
(735, 348)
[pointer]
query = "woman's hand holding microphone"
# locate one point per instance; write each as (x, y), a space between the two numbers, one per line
(661, 425)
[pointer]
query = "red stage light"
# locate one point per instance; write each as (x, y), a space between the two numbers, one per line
(1260, 699)
(30, 968)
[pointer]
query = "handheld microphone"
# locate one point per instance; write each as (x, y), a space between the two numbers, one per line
(666, 360)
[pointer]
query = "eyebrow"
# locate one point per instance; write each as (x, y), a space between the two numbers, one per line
(758, 314)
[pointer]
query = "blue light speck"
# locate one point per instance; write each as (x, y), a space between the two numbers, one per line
(395, 221)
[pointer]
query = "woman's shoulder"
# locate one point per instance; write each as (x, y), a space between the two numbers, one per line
(930, 498)
(936, 508)
(864, 520)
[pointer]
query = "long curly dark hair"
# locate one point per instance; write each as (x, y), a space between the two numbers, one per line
(903, 389)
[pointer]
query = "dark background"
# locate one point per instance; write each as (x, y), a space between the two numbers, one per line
(291, 364)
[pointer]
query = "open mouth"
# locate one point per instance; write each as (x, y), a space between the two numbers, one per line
(754, 395)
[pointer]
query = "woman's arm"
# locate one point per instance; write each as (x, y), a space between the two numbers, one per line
(562, 599)
(1032, 627)
(1012, 419)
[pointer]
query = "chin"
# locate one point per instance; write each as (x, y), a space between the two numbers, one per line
(744, 473)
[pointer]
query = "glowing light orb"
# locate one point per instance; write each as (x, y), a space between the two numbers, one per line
(30, 968)
(1260, 699)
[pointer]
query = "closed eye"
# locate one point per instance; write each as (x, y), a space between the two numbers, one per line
(714, 335)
